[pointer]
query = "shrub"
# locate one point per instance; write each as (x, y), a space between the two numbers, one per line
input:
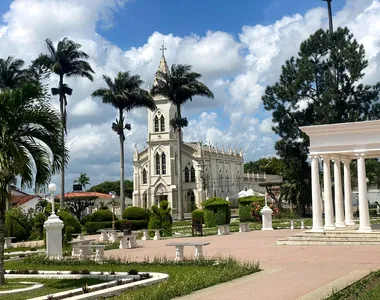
(245, 207)
(68, 234)
(135, 224)
(69, 220)
(197, 214)
(160, 218)
(101, 216)
(217, 212)
(38, 226)
(164, 204)
(15, 229)
(286, 213)
(135, 213)
(93, 227)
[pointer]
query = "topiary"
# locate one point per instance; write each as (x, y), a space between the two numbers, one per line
(197, 214)
(69, 220)
(154, 218)
(217, 212)
(93, 227)
(101, 216)
(135, 213)
(164, 204)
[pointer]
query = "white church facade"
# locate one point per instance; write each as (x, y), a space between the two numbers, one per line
(207, 171)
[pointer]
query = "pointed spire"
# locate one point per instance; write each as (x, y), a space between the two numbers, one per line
(163, 66)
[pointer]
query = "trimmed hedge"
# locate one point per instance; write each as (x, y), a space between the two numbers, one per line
(101, 216)
(217, 212)
(245, 207)
(197, 214)
(93, 227)
(69, 220)
(135, 213)
(135, 224)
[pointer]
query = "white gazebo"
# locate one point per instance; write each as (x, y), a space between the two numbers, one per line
(341, 143)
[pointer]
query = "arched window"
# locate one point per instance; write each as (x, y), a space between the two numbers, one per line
(238, 181)
(162, 123)
(163, 163)
(192, 174)
(187, 179)
(221, 181)
(144, 176)
(227, 184)
(156, 124)
(158, 164)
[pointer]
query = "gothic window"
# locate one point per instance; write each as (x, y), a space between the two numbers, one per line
(163, 163)
(144, 176)
(192, 174)
(156, 124)
(238, 181)
(162, 123)
(227, 184)
(221, 182)
(187, 179)
(158, 164)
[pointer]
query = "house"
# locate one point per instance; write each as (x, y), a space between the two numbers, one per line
(23, 200)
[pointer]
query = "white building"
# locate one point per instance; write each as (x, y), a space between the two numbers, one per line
(207, 171)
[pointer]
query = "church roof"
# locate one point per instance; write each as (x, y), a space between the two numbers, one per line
(163, 66)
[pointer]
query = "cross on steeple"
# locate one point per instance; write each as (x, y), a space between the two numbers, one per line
(162, 49)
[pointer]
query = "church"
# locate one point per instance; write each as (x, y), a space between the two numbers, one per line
(207, 171)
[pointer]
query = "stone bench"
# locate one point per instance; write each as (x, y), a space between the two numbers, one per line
(179, 249)
(77, 245)
(8, 242)
(85, 252)
(145, 237)
(79, 236)
(244, 227)
(223, 229)
(301, 221)
(128, 242)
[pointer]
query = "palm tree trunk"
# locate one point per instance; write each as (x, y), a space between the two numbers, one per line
(122, 189)
(4, 196)
(180, 213)
(62, 184)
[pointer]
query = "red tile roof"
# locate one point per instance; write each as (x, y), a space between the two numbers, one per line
(19, 200)
(86, 194)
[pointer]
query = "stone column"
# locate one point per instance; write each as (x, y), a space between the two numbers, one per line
(365, 225)
(329, 212)
(316, 196)
(339, 215)
(348, 212)
(53, 226)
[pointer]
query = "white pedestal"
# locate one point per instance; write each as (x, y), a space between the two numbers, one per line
(53, 226)
(267, 218)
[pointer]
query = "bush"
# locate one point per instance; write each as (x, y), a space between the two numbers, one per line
(160, 218)
(135, 213)
(217, 212)
(38, 226)
(68, 234)
(101, 216)
(135, 224)
(197, 214)
(69, 220)
(245, 207)
(286, 213)
(15, 229)
(23, 219)
(93, 227)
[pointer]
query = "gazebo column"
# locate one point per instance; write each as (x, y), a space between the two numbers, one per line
(348, 212)
(329, 212)
(316, 196)
(339, 215)
(365, 225)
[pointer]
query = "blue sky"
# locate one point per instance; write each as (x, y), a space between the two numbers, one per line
(238, 46)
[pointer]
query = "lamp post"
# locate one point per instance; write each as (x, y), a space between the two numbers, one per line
(52, 189)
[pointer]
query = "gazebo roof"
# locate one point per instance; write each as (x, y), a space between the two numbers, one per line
(345, 139)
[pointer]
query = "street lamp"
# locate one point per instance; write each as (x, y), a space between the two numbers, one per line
(52, 189)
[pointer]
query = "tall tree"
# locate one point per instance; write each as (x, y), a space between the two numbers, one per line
(320, 86)
(179, 86)
(12, 74)
(83, 180)
(30, 144)
(124, 93)
(109, 186)
(269, 165)
(65, 60)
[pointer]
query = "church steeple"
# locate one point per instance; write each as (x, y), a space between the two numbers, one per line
(163, 66)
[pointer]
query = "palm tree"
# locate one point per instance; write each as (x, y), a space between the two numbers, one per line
(83, 180)
(179, 86)
(124, 93)
(30, 145)
(67, 60)
(12, 75)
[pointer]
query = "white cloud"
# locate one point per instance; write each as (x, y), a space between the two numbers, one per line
(236, 69)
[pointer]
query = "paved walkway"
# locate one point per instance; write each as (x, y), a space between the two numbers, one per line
(289, 272)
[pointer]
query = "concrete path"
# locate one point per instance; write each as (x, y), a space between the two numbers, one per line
(289, 272)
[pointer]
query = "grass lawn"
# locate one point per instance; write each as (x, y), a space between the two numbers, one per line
(51, 286)
(367, 288)
(184, 277)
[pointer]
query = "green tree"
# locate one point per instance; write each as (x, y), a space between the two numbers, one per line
(179, 86)
(66, 60)
(83, 180)
(124, 93)
(320, 86)
(109, 186)
(12, 74)
(269, 165)
(30, 145)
